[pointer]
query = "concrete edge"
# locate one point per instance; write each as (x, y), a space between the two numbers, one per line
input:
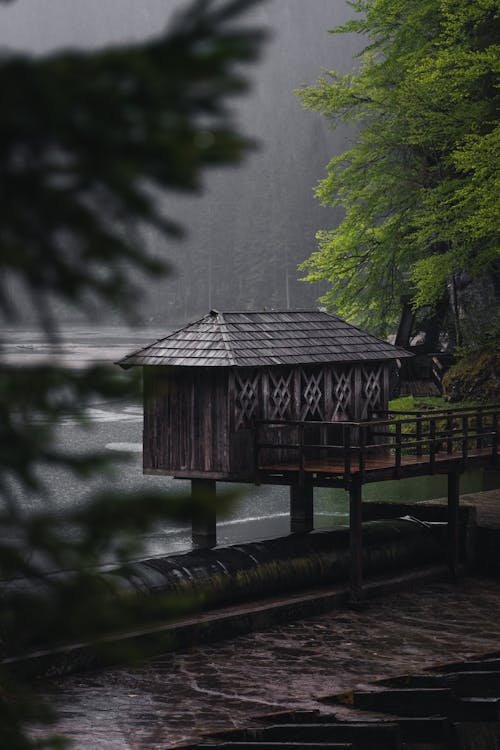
(215, 625)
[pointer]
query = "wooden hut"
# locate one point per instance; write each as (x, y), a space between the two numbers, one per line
(208, 385)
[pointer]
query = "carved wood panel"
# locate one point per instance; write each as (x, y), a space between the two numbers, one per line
(312, 401)
(247, 398)
(342, 395)
(280, 394)
(371, 390)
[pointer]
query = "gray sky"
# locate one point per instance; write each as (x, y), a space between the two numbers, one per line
(254, 222)
(44, 25)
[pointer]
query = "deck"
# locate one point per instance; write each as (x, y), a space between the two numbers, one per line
(392, 446)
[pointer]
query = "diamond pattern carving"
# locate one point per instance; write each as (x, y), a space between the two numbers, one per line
(247, 399)
(280, 395)
(372, 390)
(342, 394)
(312, 395)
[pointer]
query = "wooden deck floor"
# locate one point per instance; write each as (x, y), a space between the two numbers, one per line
(384, 464)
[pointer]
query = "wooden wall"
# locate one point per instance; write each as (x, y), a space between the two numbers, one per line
(199, 421)
(185, 420)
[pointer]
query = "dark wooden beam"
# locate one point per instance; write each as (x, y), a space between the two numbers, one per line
(453, 523)
(302, 506)
(204, 519)
(356, 539)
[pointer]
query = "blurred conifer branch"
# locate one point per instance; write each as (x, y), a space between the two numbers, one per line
(88, 141)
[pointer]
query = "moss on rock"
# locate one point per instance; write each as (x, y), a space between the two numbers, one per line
(476, 377)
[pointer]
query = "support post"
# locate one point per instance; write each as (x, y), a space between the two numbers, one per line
(203, 521)
(302, 506)
(356, 539)
(453, 523)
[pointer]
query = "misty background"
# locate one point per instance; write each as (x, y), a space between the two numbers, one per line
(253, 223)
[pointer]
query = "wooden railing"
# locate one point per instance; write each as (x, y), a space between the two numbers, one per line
(389, 442)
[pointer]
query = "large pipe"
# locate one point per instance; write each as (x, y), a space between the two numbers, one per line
(222, 576)
(257, 569)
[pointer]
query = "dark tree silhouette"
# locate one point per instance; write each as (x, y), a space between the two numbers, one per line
(88, 141)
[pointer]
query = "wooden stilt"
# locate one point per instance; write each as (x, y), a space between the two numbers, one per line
(356, 540)
(453, 523)
(302, 506)
(204, 522)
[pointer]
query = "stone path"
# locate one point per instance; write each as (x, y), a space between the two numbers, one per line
(174, 699)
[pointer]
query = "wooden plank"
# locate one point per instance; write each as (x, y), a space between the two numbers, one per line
(398, 449)
(449, 430)
(375, 463)
(432, 444)
(265, 394)
(358, 393)
(193, 425)
(386, 387)
(328, 392)
(362, 451)
(347, 449)
(301, 454)
(419, 434)
(231, 402)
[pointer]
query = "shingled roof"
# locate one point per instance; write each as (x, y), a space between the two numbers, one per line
(253, 339)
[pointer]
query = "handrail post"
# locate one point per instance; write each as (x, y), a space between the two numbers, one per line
(465, 437)
(479, 429)
(418, 434)
(256, 450)
(301, 455)
(449, 429)
(397, 456)
(346, 429)
(432, 443)
(362, 443)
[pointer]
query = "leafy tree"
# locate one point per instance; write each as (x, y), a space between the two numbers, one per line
(419, 185)
(88, 143)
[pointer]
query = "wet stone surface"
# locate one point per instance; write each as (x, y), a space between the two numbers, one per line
(176, 698)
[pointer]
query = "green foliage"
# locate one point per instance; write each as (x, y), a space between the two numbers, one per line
(419, 186)
(427, 403)
(88, 142)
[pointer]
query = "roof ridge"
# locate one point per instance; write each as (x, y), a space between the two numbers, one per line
(281, 310)
(225, 336)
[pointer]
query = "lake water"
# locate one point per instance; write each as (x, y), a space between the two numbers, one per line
(258, 512)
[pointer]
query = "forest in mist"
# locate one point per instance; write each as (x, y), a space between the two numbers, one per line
(252, 224)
